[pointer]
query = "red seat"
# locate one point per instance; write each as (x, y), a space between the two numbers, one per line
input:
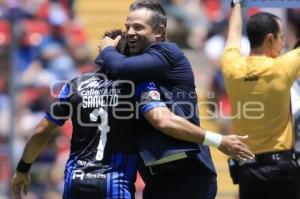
(4, 32)
(34, 30)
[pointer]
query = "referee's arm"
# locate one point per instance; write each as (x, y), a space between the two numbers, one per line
(235, 27)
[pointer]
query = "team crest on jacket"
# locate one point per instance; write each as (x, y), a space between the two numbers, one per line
(149, 96)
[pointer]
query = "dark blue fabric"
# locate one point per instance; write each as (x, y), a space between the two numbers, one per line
(147, 107)
(52, 119)
(64, 92)
(120, 182)
(63, 96)
(143, 87)
(166, 65)
(152, 64)
(117, 183)
(87, 176)
(189, 181)
(69, 168)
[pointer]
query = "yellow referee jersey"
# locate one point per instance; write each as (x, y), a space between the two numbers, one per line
(258, 88)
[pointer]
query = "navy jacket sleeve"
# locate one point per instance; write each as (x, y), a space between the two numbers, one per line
(148, 97)
(153, 64)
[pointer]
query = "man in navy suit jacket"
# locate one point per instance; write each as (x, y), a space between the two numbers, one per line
(171, 168)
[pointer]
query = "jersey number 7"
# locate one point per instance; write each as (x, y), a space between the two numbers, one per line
(103, 128)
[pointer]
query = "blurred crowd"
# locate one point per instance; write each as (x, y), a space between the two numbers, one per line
(46, 45)
(42, 44)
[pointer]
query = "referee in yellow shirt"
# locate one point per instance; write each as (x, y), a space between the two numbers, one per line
(258, 87)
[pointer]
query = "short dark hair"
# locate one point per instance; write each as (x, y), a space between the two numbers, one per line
(159, 15)
(259, 25)
(122, 46)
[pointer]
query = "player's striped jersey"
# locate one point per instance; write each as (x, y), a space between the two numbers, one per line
(102, 162)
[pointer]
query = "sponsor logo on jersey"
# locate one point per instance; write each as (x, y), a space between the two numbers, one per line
(99, 92)
(95, 83)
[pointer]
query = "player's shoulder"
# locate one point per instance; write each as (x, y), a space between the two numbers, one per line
(167, 47)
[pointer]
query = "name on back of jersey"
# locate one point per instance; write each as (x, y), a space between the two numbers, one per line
(99, 101)
(97, 92)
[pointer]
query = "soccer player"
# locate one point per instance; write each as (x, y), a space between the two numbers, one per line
(261, 83)
(162, 156)
(102, 161)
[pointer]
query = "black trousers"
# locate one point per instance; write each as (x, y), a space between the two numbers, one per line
(278, 180)
(191, 181)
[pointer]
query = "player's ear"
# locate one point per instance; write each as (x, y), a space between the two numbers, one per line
(160, 33)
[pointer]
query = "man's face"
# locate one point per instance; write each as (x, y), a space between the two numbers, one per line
(278, 41)
(139, 33)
